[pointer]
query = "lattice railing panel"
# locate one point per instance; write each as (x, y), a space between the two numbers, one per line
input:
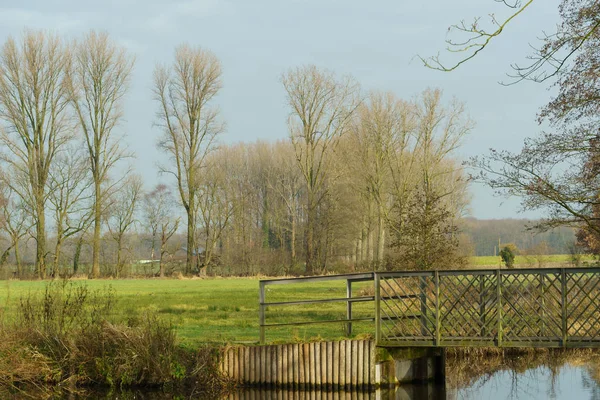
(467, 306)
(583, 315)
(531, 307)
(407, 308)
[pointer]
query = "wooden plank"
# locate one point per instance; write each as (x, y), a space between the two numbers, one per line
(290, 351)
(301, 356)
(336, 363)
(342, 361)
(323, 353)
(296, 364)
(329, 364)
(318, 362)
(360, 362)
(355, 362)
(279, 380)
(247, 363)
(348, 363)
(307, 368)
(313, 364)
(367, 365)
(230, 362)
(263, 365)
(284, 365)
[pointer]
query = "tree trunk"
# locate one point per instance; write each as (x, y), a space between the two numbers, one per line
(57, 252)
(40, 225)
(77, 255)
(97, 226)
(293, 239)
(119, 255)
(380, 237)
(190, 242)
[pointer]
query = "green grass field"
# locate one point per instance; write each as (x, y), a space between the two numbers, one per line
(225, 310)
(528, 261)
(214, 310)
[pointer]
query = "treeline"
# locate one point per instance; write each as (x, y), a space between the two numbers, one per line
(365, 180)
(484, 235)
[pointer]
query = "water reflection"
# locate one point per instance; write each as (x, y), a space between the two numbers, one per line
(558, 377)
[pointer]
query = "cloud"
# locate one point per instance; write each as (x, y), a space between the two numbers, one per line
(168, 16)
(14, 18)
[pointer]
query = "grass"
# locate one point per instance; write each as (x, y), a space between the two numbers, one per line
(522, 261)
(225, 310)
(68, 336)
(214, 310)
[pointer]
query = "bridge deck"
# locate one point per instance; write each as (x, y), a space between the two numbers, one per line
(545, 307)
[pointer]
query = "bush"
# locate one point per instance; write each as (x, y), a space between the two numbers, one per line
(69, 337)
(508, 256)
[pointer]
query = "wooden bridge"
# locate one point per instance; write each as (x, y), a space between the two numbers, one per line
(549, 307)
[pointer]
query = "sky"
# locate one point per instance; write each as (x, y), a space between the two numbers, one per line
(376, 41)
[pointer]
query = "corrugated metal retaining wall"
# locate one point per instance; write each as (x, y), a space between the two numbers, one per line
(342, 364)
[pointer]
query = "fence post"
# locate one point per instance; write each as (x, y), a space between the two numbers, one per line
(349, 307)
(543, 331)
(377, 309)
(438, 332)
(499, 305)
(261, 310)
(482, 301)
(423, 284)
(563, 296)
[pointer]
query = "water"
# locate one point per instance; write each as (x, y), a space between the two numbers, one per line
(568, 381)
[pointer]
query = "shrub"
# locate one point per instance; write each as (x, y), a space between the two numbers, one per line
(508, 256)
(69, 337)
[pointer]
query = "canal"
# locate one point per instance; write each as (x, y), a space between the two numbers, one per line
(558, 376)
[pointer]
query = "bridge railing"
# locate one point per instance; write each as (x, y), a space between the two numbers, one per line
(349, 299)
(509, 308)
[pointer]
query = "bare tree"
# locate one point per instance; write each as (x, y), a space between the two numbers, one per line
(381, 128)
(158, 215)
(320, 109)
(189, 123)
(122, 216)
(98, 82)
(425, 229)
(34, 108)
(215, 209)
(69, 196)
(14, 220)
(578, 32)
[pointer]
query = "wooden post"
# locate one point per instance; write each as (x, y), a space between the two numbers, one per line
(423, 282)
(543, 332)
(438, 330)
(377, 310)
(261, 311)
(499, 305)
(349, 307)
(563, 296)
(482, 305)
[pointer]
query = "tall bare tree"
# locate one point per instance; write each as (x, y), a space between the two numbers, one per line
(98, 82)
(69, 196)
(379, 133)
(320, 108)
(159, 218)
(15, 221)
(34, 109)
(190, 124)
(122, 216)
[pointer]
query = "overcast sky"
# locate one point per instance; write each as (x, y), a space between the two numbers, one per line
(376, 41)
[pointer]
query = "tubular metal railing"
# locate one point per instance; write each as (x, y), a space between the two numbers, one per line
(546, 307)
(349, 300)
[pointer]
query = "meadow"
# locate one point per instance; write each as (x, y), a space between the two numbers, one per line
(212, 310)
(225, 310)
